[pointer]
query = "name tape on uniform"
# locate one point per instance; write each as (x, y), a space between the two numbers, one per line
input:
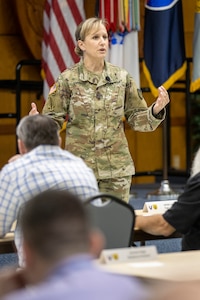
(157, 207)
(133, 254)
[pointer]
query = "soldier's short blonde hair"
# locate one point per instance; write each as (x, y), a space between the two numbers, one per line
(84, 28)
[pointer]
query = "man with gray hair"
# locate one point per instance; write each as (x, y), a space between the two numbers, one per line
(41, 165)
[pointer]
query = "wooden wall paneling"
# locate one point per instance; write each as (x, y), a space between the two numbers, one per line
(8, 146)
(7, 99)
(89, 8)
(12, 50)
(30, 17)
(8, 19)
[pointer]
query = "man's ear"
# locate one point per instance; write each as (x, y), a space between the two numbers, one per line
(33, 266)
(60, 141)
(97, 242)
(21, 147)
(28, 255)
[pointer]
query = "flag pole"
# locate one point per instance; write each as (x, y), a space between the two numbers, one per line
(165, 192)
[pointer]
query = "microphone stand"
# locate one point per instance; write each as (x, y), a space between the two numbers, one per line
(165, 192)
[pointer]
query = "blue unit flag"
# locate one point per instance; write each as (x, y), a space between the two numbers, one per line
(164, 46)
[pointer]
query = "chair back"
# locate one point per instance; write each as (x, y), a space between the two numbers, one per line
(114, 217)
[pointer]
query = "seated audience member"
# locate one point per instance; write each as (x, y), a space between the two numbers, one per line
(183, 216)
(60, 247)
(42, 165)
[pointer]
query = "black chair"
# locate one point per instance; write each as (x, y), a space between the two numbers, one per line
(114, 217)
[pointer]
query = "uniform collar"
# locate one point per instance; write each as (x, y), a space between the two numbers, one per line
(107, 76)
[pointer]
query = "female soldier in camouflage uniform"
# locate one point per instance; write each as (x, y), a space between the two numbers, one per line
(95, 96)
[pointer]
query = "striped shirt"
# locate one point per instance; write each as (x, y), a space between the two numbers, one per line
(45, 167)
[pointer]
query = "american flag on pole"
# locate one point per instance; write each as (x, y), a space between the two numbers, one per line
(60, 20)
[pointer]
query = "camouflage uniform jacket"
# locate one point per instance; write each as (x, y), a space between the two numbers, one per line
(95, 106)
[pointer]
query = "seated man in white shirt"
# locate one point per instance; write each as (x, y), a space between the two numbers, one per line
(41, 165)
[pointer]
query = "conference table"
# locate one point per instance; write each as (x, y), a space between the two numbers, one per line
(7, 243)
(176, 267)
(142, 236)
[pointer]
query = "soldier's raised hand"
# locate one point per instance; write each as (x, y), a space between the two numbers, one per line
(33, 110)
(162, 100)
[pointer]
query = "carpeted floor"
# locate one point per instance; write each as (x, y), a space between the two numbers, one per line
(9, 259)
